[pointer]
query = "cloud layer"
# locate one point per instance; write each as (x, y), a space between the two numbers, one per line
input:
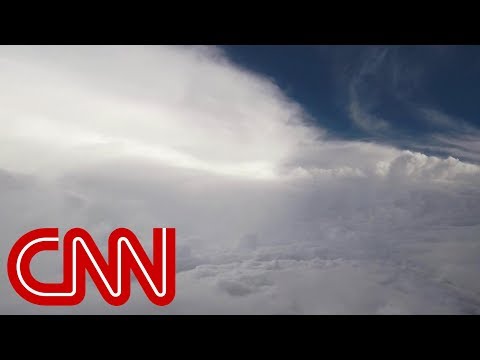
(272, 215)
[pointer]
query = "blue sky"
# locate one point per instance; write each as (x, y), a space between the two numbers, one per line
(354, 215)
(416, 92)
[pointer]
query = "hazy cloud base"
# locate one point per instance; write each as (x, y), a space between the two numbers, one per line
(272, 216)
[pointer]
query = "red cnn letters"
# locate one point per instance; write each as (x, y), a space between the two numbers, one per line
(81, 255)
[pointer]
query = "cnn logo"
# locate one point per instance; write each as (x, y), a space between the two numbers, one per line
(81, 256)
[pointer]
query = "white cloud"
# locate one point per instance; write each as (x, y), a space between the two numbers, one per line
(180, 106)
(271, 216)
(360, 100)
(441, 119)
(362, 117)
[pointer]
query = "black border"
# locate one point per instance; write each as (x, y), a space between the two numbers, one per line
(229, 336)
(385, 23)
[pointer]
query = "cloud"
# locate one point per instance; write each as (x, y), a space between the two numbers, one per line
(389, 78)
(360, 101)
(181, 106)
(453, 136)
(271, 216)
(416, 166)
(445, 121)
(362, 117)
(464, 146)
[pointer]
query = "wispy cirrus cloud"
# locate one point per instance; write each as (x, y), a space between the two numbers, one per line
(271, 215)
(360, 102)
(388, 75)
(453, 136)
(445, 121)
